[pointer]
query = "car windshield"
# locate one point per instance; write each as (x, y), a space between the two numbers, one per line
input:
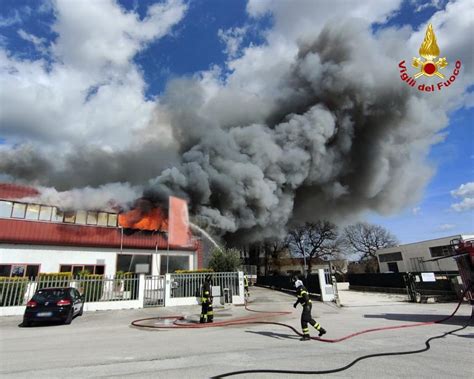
(49, 294)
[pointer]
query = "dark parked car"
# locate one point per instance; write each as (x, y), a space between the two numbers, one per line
(54, 304)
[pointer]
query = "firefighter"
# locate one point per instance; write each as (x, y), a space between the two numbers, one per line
(303, 298)
(207, 313)
(246, 286)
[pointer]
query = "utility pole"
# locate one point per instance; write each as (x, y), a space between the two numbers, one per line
(305, 270)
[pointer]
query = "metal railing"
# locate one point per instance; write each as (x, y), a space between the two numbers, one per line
(17, 291)
(189, 285)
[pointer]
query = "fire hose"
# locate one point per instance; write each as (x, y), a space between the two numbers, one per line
(177, 323)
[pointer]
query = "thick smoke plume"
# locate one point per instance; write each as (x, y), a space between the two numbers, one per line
(341, 135)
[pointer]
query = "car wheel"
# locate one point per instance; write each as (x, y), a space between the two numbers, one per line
(69, 317)
(26, 323)
(81, 311)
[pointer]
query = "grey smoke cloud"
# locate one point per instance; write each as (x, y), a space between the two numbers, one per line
(350, 137)
(342, 135)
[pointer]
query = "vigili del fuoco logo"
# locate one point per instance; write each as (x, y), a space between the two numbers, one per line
(429, 66)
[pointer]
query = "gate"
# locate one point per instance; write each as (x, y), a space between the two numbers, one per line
(154, 291)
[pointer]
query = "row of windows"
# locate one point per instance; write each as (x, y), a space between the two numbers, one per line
(441, 251)
(32, 270)
(19, 270)
(77, 269)
(36, 212)
(391, 257)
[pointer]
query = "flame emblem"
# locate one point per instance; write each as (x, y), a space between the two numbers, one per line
(429, 50)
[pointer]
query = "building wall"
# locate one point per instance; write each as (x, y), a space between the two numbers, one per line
(419, 250)
(51, 257)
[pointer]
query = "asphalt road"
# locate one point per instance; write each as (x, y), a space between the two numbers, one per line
(103, 344)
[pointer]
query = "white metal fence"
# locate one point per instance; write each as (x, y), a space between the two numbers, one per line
(189, 285)
(124, 292)
(17, 291)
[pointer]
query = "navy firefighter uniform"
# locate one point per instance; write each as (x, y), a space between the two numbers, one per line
(305, 301)
(207, 313)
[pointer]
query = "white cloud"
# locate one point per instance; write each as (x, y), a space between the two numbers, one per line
(232, 38)
(92, 93)
(445, 227)
(424, 4)
(416, 211)
(466, 193)
(39, 43)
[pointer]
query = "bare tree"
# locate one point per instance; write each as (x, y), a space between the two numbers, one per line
(272, 250)
(363, 239)
(312, 240)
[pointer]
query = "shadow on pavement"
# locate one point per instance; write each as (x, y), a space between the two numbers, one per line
(275, 335)
(456, 320)
(470, 335)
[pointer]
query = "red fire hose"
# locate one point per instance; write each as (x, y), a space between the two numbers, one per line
(177, 323)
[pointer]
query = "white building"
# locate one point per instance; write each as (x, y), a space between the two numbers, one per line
(417, 256)
(37, 238)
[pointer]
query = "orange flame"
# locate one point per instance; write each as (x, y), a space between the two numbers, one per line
(144, 217)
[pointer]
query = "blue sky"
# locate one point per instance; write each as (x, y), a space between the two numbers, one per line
(194, 44)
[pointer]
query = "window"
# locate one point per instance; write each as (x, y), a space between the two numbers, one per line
(6, 208)
(441, 251)
(391, 257)
(57, 215)
(45, 213)
(127, 262)
(175, 262)
(112, 219)
(32, 271)
(5, 270)
(91, 218)
(81, 217)
(19, 210)
(76, 269)
(392, 266)
(102, 219)
(70, 217)
(32, 212)
(65, 268)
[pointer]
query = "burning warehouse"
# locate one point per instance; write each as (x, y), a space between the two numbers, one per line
(38, 237)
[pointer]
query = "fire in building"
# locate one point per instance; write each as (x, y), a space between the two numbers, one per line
(39, 238)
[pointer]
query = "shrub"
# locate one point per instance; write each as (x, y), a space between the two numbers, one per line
(12, 290)
(198, 271)
(91, 287)
(226, 260)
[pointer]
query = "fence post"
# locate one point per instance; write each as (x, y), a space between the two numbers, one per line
(326, 289)
(240, 298)
(141, 290)
(167, 289)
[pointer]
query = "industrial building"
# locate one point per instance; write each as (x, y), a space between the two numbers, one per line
(41, 238)
(420, 256)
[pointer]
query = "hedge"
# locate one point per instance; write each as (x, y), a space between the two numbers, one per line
(54, 279)
(199, 271)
